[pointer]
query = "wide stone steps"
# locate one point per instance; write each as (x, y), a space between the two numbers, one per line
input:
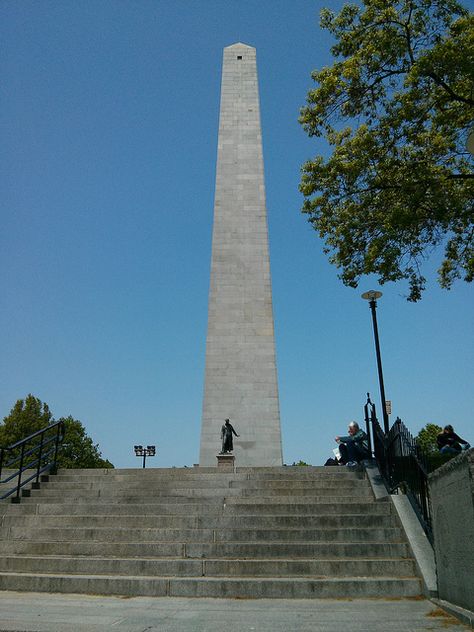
(189, 477)
(345, 487)
(225, 550)
(192, 532)
(113, 484)
(215, 587)
(104, 534)
(201, 521)
(229, 492)
(112, 493)
(210, 473)
(30, 506)
(346, 567)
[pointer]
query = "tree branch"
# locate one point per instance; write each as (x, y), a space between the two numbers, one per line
(449, 90)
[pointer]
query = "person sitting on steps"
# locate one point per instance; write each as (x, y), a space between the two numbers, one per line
(450, 443)
(355, 447)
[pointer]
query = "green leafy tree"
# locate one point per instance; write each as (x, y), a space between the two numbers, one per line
(26, 417)
(426, 439)
(30, 415)
(78, 450)
(396, 107)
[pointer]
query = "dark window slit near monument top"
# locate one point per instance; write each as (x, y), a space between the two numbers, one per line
(239, 56)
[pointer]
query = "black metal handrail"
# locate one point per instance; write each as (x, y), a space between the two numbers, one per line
(38, 452)
(410, 472)
(401, 463)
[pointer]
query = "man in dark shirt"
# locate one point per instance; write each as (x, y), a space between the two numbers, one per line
(354, 447)
(451, 443)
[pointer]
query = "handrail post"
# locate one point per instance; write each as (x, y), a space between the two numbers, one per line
(20, 472)
(367, 423)
(40, 455)
(373, 420)
(60, 431)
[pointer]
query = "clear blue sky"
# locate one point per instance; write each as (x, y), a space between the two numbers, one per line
(109, 120)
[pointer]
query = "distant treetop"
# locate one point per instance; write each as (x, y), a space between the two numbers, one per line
(30, 415)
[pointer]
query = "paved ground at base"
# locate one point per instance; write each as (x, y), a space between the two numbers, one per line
(37, 612)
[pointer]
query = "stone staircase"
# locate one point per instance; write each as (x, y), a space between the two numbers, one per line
(288, 532)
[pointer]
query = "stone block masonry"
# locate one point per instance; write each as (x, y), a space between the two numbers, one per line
(240, 378)
(452, 504)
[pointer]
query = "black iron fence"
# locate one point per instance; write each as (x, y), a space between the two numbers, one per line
(401, 463)
(25, 461)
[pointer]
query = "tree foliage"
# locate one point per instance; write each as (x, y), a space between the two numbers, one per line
(30, 415)
(77, 449)
(396, 107)
(426, 439)
(26, 417)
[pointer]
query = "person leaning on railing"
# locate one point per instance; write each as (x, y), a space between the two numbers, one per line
(355, 447)
(449, 442)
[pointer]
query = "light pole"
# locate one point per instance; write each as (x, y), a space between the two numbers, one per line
(372, 297)
(150, 450)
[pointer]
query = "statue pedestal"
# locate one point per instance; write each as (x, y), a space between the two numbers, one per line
(226, 462)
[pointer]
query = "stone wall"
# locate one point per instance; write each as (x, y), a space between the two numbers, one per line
(452, 498)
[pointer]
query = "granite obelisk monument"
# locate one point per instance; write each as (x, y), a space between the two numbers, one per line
(240, 378)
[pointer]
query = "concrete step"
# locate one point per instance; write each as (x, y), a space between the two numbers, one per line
(140, 493)
(214, 480)
(208, 568)
(336, 473)
(227, 550)
(136, 484)
(199, 493)
(321, 482)
(117, 476)
(336, 476)
(298, 588)
(104, 534)
(197, 475)
(110, 485)
(290, 491)
(37, 497)
(177, 472)
(340, 505)
(30, 506)
(250, 504)
(199, 522)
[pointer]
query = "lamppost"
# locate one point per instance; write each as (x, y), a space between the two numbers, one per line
(150, 450)
(372, 297)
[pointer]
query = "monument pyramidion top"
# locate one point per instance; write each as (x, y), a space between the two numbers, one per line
(238, 45)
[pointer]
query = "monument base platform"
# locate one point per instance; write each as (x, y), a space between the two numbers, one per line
(226, 462)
